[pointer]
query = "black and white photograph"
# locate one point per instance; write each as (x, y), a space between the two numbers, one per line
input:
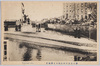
(49, 31)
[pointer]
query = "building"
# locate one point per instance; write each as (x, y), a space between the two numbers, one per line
(12, 25)
(80, 11)
(9, 25)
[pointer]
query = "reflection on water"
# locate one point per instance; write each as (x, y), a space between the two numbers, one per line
(38, 55)
(22, 51)
(28, 54)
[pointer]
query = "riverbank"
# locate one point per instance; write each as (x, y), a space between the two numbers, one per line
(56, 41)
(85, 30)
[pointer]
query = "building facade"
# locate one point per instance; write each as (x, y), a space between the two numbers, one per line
(80, 11)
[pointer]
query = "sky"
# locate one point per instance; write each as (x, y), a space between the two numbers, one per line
(35, 10)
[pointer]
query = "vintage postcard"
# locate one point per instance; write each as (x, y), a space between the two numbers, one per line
(49, 32)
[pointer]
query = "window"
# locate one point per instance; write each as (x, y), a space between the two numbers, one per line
(77, 10)
(5, 52)
(82, 4)
(85, 17)
(82, 10)
(5, 47)
(5, 42)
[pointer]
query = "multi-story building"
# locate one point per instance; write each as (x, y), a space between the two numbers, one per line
(79, 11)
